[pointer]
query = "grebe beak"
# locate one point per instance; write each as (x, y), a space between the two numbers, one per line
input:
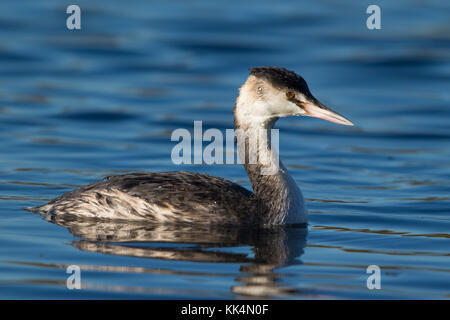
(315, 109)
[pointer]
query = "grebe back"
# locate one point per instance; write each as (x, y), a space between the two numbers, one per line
(186, 197)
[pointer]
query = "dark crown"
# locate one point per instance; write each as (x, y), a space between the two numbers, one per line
(281, 78)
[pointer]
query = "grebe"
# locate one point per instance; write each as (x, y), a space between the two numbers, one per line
(268, 94)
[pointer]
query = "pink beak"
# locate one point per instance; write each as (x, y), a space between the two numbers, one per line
(317, 110)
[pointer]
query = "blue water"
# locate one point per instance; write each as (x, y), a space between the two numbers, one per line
(76, 106)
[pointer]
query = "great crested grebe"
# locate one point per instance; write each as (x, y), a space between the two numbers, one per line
(186, 197)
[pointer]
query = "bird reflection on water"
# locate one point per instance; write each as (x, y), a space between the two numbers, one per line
(272, 248)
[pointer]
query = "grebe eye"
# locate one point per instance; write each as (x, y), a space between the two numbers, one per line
(259, 89)
(290, 95)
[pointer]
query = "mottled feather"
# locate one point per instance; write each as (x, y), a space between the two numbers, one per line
(175, 197)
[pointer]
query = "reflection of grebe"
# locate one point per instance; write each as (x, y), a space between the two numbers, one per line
(268, 94)
(258, 275)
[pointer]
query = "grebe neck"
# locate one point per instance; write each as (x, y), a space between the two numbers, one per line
(280, 198)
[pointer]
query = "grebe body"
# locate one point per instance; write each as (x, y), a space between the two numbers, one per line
(186, 197)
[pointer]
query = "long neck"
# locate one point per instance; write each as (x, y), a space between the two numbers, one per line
(272, 185)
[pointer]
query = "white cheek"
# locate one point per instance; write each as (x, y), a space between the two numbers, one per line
(285, 108)
(272, 104)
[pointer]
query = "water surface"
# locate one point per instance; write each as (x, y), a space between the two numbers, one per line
(76, 106)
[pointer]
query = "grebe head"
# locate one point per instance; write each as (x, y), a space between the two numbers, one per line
(273, 92)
